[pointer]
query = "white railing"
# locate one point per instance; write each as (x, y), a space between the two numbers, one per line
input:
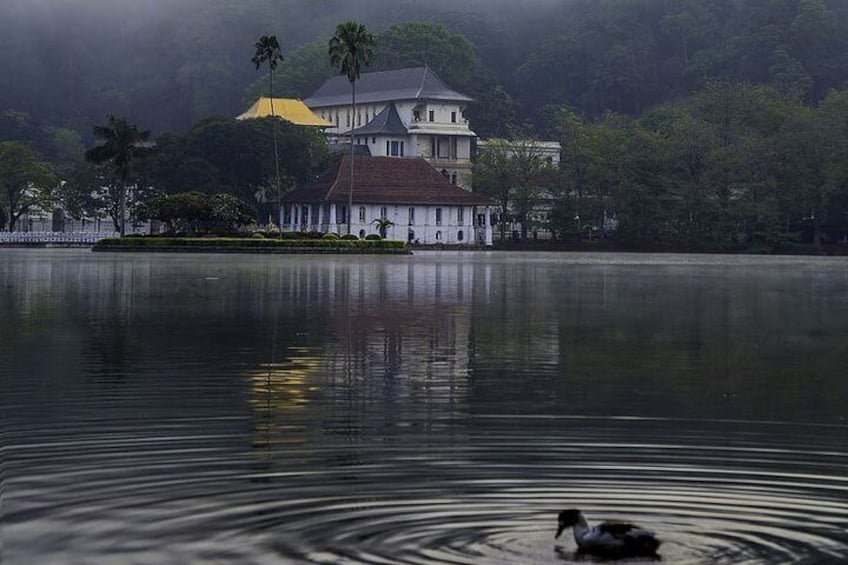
(53, 237)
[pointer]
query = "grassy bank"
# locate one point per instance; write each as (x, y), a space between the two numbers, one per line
(248, 245)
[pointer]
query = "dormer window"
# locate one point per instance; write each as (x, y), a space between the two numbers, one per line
(453, 117)
(432, 115)
(416, 115)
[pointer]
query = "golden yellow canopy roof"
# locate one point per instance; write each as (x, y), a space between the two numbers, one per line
(291, 110)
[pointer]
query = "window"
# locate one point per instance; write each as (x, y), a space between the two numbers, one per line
(347, 118)
(337, 118)
(287, 210)
(453, 178)
(432, 116)
(388, 147)
(438, 236)
(460, 235)
(395, 148)
(460, 216)
(453, 117)
(384, 213)
(444, 148)
(361, 234)
(438, 216)
(373, 141)
(359, 118)
(342, 219)
(411, 216)
(416, 115)
(362, 214)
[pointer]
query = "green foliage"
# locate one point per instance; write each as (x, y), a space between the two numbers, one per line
(330, 236)
(122, 144)
(237, 157)
(251, 243)
(373, 237)
(351, 49)
(299, 75)
(25, 182)
(382, 225)
(193, 212)
(515, 174)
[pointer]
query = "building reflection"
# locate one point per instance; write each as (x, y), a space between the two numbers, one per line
(390, 346)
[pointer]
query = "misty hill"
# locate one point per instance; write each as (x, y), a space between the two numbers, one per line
(166, 64)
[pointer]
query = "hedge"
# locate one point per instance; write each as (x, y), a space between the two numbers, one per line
(197, 242)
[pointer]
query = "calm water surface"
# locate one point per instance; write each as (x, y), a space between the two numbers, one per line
(440, 408)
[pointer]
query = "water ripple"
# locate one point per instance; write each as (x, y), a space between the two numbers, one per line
(169, 496)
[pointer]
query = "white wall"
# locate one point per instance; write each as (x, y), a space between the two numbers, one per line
(425, 228)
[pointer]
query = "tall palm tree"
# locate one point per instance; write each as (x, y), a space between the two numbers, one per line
(351, 48)
(268, 51)
(123, 143)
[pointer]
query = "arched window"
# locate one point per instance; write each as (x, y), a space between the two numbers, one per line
(361, 234)
(459, 235)
(362, 214)
(438, 236)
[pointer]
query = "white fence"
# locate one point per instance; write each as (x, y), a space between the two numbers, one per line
(48, 237)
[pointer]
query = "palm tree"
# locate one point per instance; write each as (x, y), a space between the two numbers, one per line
(268, 50)
(382, 225)
(122, 144)
(351, 48)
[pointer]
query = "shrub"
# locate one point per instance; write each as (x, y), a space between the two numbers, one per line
(258, 235)
(350, 237)
(330, 236)
(373, 237)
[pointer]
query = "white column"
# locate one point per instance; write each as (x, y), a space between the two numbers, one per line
(488, 227)
(334, 228)
(308, 217)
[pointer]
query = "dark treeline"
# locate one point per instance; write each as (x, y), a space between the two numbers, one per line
(708, 122)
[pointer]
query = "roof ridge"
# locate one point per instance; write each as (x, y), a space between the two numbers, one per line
(423, 81)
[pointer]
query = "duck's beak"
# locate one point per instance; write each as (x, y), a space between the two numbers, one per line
(559, 530)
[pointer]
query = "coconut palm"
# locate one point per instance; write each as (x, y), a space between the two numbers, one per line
(268, 51)
(351, 48)
(123, 143)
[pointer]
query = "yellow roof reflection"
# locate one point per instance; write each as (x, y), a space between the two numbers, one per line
(291, 110)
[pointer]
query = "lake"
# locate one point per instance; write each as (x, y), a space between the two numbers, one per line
(438, 408)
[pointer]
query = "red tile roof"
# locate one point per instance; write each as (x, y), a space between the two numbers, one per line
(385, 180)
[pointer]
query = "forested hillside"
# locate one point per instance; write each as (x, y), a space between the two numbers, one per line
(169, 63)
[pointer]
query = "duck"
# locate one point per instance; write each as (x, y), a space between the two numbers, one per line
(608, 539)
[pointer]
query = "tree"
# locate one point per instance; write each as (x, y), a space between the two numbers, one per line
(382, 225)
(25, 181)
(350, 49)
(514, 173)
(268, 51)
(123, 143)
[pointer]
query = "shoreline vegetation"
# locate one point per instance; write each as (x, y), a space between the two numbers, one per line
(248, 245)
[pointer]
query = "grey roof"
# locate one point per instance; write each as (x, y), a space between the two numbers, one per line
(417, 83)
(386, 122)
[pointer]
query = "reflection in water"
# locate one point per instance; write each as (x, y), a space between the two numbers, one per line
(440, 408)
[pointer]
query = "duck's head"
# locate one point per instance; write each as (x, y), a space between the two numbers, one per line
(567, 518)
